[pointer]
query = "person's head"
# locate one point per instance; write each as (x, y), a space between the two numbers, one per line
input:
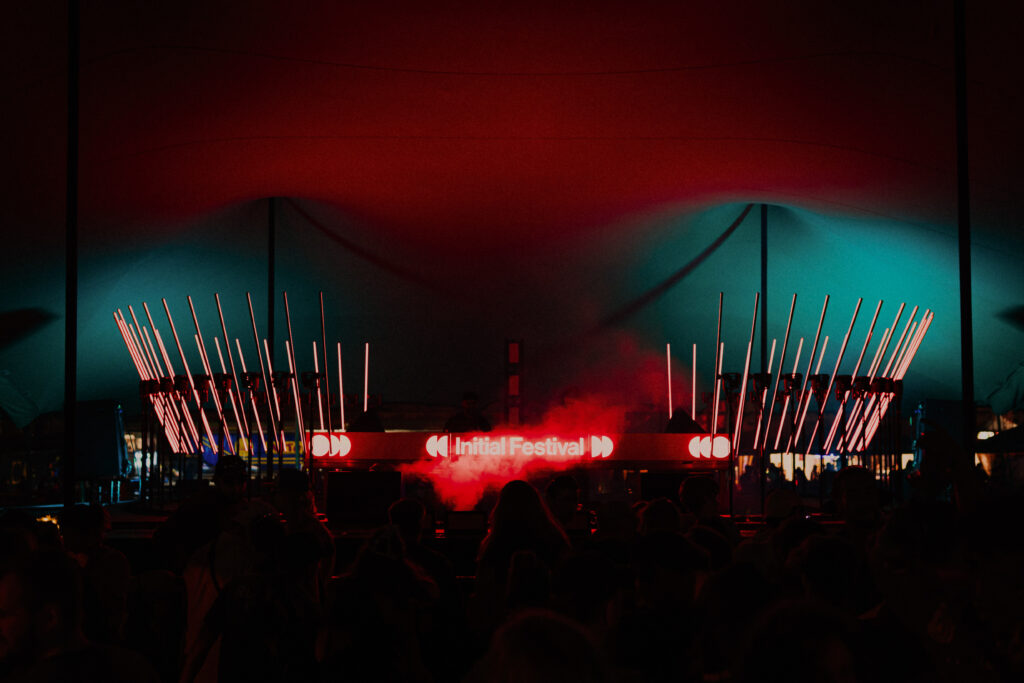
(470, 402)
(798, 642)
(855, 492)
(294, 496)
(519, 506)
(698, 496)
(780, 505)
(563, 498)
(659, 516)
(83, 526)
(408, 514)
(230, 476)
(40, 605)
(542, 646)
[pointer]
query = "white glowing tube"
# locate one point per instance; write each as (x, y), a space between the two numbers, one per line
(785, 404)
(268, 376)
(188, 373)
(231, 363)
(876, 420)
(805, 396)
(252, 399)
(717, 370)
(366, 377)
(275, 408)
(294, 369)
(668, 367)
(213, 390)
(319, 396)
(837, 420)
(832, 379)
(693, 386)
(169, 399)
(778, 375)
(193, 431)
(849, 438)
(737, 435)
(209, 373)
(718, 387)
(231, 393)
(764, 394)
(295, 391)
(341, 390)
(170, 427)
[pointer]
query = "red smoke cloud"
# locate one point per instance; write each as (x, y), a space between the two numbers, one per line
(625, 388)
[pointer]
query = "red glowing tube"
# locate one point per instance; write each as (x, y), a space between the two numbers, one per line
(718, 387)
(668, 366)
(252, 399)
(220, 412)
(193, 432)
(804, 396)
(832, 379)
(188, 373)
(183, 400)
(233, 392)
(169, 400)
(319, 396)
(746, 372)
(849, 437)
(837, 420)
(231, 362)
(146, 371)
(764, 396)
(268, 375)
(778, 375)
(209, 373)
(294, 368)
(713, 427)
(273, 393)
(909, 356)
(366, 377)
(144, 375)
(785, 404)
(868, 404)
(295, 392)
(341, 390)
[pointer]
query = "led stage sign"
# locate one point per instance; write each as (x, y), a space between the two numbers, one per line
(335, 447)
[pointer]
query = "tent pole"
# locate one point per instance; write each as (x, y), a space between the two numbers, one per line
(71, 262)
(964, 227)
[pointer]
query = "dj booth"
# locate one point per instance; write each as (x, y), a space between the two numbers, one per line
(360, 473)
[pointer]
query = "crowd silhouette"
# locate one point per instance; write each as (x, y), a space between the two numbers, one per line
(246, 589)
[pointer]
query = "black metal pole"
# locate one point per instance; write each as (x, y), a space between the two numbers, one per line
(764, 335)
(71, 262)
(964, 227)
(271, 256)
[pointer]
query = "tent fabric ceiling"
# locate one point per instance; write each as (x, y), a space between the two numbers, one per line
(432, 131)
(455, 118)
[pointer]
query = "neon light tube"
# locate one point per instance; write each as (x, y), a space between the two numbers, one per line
(832, 379)
(693, 386)
(209, 372)
(668, 366)
(268, 375)
(341, 390)
(785, 404)
(764, 395)
(837, 420)
(252, 399)
(188, 373)
(293, 365)
(232, 393)
(140, 368)
(279, 426)
(717, 369)
(778, 375)
(193, 430)
(327, 381)
(746, 373)
(319, 396)
(169, 398)
(231, 362)
(804, 397)
(366, 377)
(718, 387)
